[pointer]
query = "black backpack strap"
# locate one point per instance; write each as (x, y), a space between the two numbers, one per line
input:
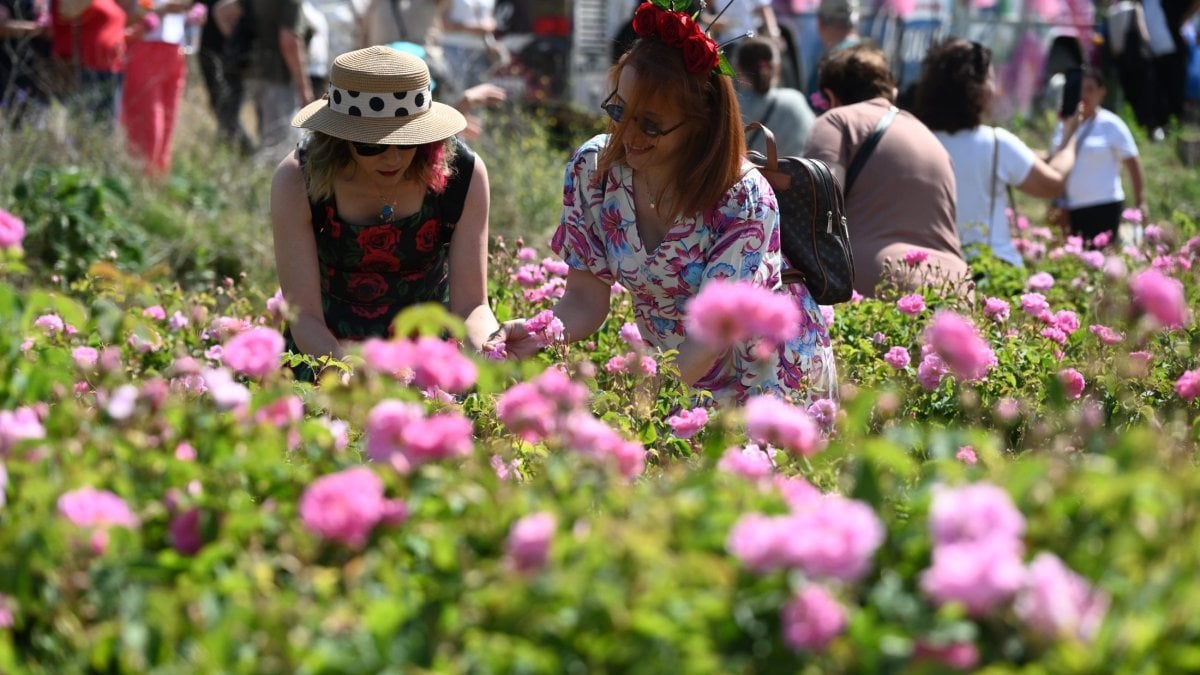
(452, 199)
(860, 160)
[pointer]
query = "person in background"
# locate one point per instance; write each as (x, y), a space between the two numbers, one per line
(416, 21)
(277, 80)
(783, 110)
(664, 204)
(379, 208)
(24, 48)
(316, 37)
(89, 35)
(1095, 198)
(223, 80)
(837, 22)
(904, 199)
(956, 88)
(734, 20)
(155, 72)
(469, 40)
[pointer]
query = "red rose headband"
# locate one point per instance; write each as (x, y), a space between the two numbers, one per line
(669, 21)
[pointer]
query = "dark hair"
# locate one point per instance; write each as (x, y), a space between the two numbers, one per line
(952, 93)
(1095, 75)
(857, 73)
(712, 161)
(756, 60)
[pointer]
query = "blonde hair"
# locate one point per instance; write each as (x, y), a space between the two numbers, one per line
(325, 157)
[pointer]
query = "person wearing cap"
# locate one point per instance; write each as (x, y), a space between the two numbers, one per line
(379, 208)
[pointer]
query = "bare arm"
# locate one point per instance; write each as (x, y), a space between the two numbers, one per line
(1138, 181)
(584, 305)
(1044, 181)
(469, 259)
(291, 46)
(296, 260)
(695, 360)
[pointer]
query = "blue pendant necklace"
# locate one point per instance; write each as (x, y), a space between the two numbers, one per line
(387, 211)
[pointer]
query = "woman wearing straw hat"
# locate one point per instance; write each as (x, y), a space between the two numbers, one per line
(379, 208)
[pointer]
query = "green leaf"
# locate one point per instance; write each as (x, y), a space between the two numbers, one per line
(724, 67)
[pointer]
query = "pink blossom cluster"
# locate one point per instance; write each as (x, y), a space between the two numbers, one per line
(1057, 603)
(282, 412)
(631, 335)
(226, 392)
(1161, 297)
(426, 363)
(12, 231)
(399, 433)
(686, 423)
(977, 549)
(897, 357)
(959, 345)
(996, 309)
(22, 424)
(535, 409)
(528, 545)
(812, 619)
(829, 537)
(915, 257)
(750, 461)
(1042, 281)
(931, 369)
(1073, 383)
(1106, 335)
(912, 304)
(92, 508)
(726, 313)
(1187, 387)
(546, 328)
(347, 506)
(775, 422)
(582, 432)
(632, 363)
(254, 352)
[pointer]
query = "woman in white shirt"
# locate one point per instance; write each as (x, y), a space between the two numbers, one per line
(956, 88)
(1095, 198)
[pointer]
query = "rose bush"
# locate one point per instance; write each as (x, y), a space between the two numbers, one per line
(169, 503)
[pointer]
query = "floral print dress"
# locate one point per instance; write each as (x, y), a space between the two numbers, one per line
(736, 239)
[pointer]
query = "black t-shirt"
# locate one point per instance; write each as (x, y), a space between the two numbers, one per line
(19, 56)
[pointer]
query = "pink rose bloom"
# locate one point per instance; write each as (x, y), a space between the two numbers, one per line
(617, 365)
(6, 603)
(647, 365)
(686, 423)
(1132, 215)
(749, 462)
(1042, 281)
(897, 357)
(12, 231)
(797, 493)
(757, 541)
(1034, 303)
(528, 544)
(1101, 240)
(1093, 259)
(532, 409)
(584, 433)
(912, 304)
(546, 328)
(426, 363)
(184, 452)
(530, 276)
(527, 254)
(1073, 383)
(385, 427)
(1188, 385)
(50, 323)
(428, 439)
(346, 506)
(996, 309)
(555, 267)
(726, 313)
(631, 335)
(1105, 334)
(1161, 297)
(966, 455)
(155, 312)
(973, 513)
(958, 343)
(824, 412)
(88, 507)
(1054, 335)
(254, 352)
(772, 421)
(931, 370)
(281, 412)
(85, 358)
(915, 257)
(276, 304)
(1007, 409)
(1057, 603)
(19, 425)
(980, 575)
(842, 536)
(510, 470)
(227, 393)
(1066, 321)
(812, 619)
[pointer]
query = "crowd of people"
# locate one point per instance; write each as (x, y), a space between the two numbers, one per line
(382, 204)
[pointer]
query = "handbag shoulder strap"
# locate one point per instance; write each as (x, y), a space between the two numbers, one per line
(868, 146)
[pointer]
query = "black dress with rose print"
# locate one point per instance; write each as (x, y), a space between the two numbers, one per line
(370, 272)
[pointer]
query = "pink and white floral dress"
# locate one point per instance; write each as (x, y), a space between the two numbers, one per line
(736, 239)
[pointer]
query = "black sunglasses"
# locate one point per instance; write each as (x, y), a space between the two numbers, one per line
(649, 129)
(372, 149)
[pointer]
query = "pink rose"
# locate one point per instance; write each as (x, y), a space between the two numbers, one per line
(1073, 383)
(812, 619)
(346, 506)
(254, 352)
(12, 231)
(1161, 297)
(528, 544)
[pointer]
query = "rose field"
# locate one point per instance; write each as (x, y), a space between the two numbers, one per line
(1007, 482)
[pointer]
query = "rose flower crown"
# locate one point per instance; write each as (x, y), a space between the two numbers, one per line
(669, 21)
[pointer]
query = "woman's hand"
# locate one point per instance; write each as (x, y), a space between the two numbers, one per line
(513, 340)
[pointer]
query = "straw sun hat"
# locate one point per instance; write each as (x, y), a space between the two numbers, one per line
(380, 95)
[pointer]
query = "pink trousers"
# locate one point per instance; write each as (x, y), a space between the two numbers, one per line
(154, 80)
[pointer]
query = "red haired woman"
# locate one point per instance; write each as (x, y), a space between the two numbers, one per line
(664, 204)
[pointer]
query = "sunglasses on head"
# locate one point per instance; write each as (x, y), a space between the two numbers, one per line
(649, 129)
(372, 149)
